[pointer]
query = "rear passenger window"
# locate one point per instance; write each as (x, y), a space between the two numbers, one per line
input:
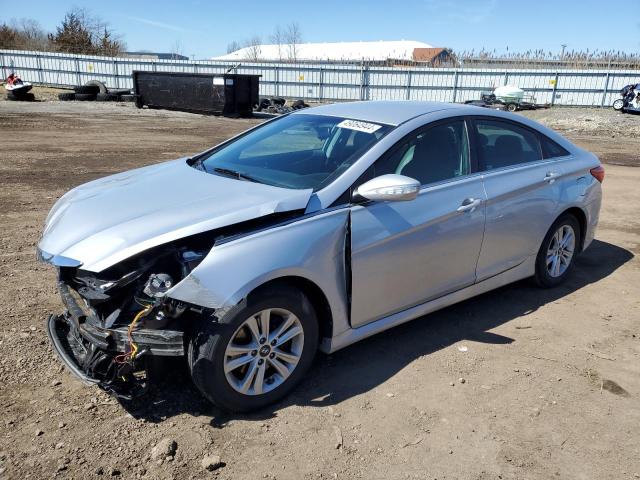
(551, 149)
(503, 144)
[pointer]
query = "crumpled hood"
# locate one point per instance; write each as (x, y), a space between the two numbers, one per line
(108, 220)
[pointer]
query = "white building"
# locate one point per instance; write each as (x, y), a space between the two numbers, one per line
(340, 51)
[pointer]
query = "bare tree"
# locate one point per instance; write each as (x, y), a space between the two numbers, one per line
(233, 46)
(253, 49)
(294, 38)
(279, 38)
(177, 51)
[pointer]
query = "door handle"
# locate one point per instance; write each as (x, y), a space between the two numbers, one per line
(469, 205)
(550, 177)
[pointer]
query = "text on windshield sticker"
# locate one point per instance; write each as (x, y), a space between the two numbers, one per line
(359, 126)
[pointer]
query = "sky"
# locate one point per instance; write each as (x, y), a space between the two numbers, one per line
(203, 29)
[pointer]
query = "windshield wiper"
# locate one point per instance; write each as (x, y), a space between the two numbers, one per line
(235, 174)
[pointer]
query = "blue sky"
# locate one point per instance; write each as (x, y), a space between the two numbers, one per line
(205, 28)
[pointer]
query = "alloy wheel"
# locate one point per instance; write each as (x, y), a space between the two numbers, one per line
(560, 251)
(264, 351)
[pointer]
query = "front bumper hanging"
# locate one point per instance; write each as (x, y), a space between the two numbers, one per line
(89, 351)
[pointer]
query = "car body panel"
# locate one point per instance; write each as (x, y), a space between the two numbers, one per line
(521, 206)
(312, 248)
(405, 253)
(106, 221)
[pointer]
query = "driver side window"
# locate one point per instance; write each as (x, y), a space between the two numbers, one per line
(430, 155)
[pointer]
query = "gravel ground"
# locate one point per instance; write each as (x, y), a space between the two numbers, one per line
(519, 383)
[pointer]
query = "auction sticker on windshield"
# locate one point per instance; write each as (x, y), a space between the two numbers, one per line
(359, 126)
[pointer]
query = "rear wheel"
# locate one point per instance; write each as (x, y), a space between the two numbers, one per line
(557, 253)
(257, 352)
(512, 107)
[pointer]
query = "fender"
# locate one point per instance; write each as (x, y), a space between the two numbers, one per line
(312, 248)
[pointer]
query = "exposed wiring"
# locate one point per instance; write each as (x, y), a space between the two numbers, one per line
(133, 347)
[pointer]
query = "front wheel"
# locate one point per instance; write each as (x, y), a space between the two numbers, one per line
(257, 352)
(618, 105)
(557, 253)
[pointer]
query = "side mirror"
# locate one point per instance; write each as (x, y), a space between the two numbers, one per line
(390, 188)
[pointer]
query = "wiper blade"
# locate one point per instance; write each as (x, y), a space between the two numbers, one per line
(235, 174)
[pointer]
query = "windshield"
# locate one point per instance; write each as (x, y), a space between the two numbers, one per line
(297, 151)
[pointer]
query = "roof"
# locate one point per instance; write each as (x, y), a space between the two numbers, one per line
(427, 54)
(387, 112)
(158, 55)
(381, 50)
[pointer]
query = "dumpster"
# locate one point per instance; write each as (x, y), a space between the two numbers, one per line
(226, 94)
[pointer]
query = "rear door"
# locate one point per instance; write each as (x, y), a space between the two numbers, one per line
(523, 192)
(406, 253)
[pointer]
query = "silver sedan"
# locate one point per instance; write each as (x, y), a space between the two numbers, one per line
(311, 231)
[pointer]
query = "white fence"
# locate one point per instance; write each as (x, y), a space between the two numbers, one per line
(335, 82)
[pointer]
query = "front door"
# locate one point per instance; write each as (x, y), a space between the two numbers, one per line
(406, 253)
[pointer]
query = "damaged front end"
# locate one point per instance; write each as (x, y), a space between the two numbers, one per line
(117, 321)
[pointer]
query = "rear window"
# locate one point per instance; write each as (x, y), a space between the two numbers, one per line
(551, 149)
(503, 144)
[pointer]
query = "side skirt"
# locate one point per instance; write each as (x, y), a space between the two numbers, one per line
(524, 270)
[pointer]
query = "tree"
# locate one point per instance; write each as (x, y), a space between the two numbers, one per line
(252, 46)
(23, 34)
(73, 35)
(233, 46)
(81, 32)
(294, 38)
(279, 38)
(177, 51)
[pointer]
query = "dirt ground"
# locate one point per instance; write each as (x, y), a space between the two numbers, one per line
(519, 383)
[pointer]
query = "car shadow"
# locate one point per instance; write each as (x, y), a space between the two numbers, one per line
(365, 365)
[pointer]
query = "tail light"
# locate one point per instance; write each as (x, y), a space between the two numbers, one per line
(598, 173)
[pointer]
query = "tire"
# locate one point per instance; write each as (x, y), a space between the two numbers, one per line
(298, 104)
(127, 98)
(207, 351)
(543, 275)
(25, 97)
(264, 104)
(120, 91)
(618, 105)
(512, 107)
(87, 90)
(65, 97)
(106, 97)
(85, 97)
(102, 88)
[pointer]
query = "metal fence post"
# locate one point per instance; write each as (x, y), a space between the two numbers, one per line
(78, 81)
(40, 73)
(116, 75)
(364, 82)
(320, 84)
(455, 86)
(605, 88)
(408, 85)
(276, 75)
(4, 66)
(505, 80)
(555, 88)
